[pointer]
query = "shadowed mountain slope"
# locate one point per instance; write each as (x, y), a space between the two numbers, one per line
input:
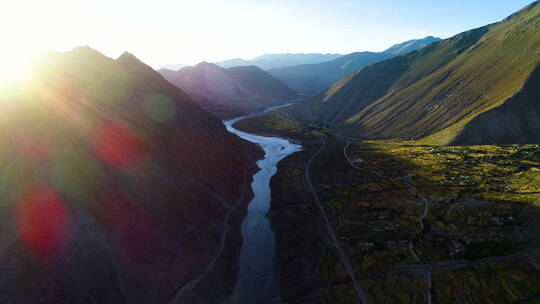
(311, 78)
(115, 185)
(233, 90)
(434, 93)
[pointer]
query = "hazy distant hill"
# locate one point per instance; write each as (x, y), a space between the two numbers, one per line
(273, 61)
(481, 86)
(232, 90)
(115, 186)
(174, 67)
(311, 78)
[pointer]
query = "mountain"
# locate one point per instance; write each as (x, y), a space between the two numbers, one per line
(411, 45)
(115, 186)
(274, 61)
(477, 87)
(235, 62)
(174, 67)
(232, 90)
(312, 78)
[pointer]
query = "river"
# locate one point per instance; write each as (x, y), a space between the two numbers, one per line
(257, 281)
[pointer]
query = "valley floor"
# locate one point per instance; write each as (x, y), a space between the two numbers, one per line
(412, 224)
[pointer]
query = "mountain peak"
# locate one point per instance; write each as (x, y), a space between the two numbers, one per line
(463, 90)
(84, 51)
(272, 61)
(522, 11)
(237, 90)
(134, 64)
(312, 78)
(411, 45)
(206, 64)
(129, 57)
(126, 141)
(247, 68)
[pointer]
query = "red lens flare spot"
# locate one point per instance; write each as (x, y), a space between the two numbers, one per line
(117, 144)
(43, 223)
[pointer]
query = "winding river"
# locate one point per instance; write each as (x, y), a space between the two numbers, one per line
(257, 280)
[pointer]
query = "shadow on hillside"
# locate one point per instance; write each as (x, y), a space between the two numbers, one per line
(517, 121)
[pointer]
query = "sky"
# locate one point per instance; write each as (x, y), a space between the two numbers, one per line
(180, 31)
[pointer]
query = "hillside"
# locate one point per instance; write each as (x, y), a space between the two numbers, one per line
(311, 78)
(230, 91)
(115, 185)
(463, 90)
(275, 61)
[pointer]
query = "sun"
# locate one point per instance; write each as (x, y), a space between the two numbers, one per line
(15, 70)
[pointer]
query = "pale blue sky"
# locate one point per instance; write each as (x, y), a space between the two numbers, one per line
(180, 31)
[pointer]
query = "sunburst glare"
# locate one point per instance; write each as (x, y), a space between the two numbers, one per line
(15, 70)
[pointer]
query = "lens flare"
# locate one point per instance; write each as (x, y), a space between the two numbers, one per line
(43, 223)
(117, 144)
(159, 107)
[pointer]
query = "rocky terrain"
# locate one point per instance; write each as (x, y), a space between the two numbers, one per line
(116, 187)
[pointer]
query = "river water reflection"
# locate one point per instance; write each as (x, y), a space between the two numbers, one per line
(257, 281)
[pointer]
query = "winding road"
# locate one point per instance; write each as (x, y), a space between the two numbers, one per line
(360, 293)
(414, 191)
(446, 266)
(189, 286)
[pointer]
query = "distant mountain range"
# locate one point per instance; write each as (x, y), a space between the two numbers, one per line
(311, 78)
(273, 61)
(230, 91)
(478, 87)
(109, 175)
(174, 67)
(266, 61)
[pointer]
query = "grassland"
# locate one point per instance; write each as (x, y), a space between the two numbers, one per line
(419, 223)
(438, 93)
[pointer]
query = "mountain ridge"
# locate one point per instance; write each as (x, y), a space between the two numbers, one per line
(113, 174)
(272, 61)
(435, 92)
(230, 91)
(311, 78)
